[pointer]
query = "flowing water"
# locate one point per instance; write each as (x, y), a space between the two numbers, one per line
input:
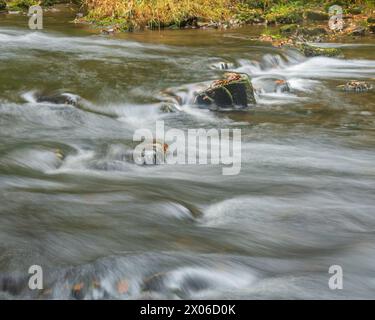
(71, 202)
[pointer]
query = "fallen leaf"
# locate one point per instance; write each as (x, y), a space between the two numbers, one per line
(78, 286)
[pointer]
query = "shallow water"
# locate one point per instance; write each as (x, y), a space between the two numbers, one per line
(303, 201)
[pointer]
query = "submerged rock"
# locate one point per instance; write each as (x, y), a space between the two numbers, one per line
(271, 85)
(152, 154)
(63, 98)
(356, 86)
(169, 107)
(170, 101)
(222, 65)
(234, 90)
(313, 51)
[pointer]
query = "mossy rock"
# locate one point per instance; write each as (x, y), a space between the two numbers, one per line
(312, 51)
(288, 29)
(354, 10)
(371, 19)
(234, 90)
(3, 5)
(316, 15)
(317, 31)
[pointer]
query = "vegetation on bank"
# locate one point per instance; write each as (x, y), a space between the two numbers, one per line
(155, 14)
(138, 14)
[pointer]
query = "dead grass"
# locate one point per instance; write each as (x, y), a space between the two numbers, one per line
(140, 13)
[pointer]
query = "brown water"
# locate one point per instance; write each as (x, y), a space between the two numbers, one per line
(303, 201)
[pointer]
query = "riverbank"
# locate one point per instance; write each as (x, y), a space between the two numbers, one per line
(204, 14)
(289, 21)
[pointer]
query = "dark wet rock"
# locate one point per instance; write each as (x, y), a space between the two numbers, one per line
(372, 28)
(78, 291)
(12, 284)
(313, 51)
(358, 31)
(314, 31)
(64, 98)
(316, 15)
(371, 19)
(191, 22)
(356, 86)
(234, 90)
(288, 29)
(154, 282)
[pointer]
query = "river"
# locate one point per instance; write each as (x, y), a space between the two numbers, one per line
(105, 228)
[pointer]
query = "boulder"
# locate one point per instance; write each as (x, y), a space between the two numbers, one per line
(371, 19)
(316, 15)
(372, 28)
(234, 90)
(313, 51)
